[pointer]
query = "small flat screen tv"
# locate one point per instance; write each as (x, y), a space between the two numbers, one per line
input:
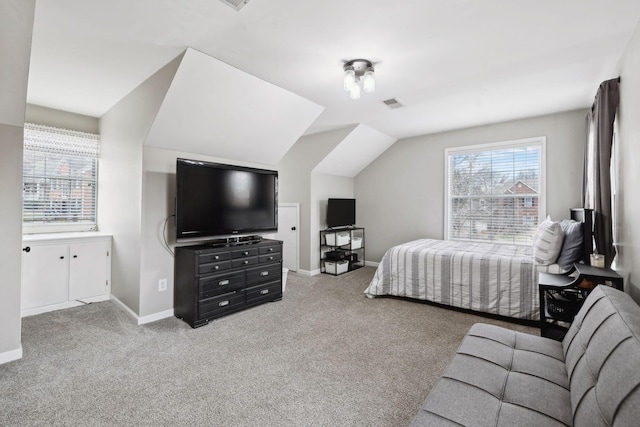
(341, 212)
(217, 200)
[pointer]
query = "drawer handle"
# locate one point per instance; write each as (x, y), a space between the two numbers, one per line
(246, 262)
(246, 252)
(216, 267)
(264, 291)
(216, 257)
(270, 249)
(270, 258)
(223, 282)
(264, 273)
(223, 303)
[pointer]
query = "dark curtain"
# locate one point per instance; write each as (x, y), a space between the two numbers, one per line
(596, 192)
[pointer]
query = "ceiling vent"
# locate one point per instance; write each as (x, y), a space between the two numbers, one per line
(236, 4)
(392, 103)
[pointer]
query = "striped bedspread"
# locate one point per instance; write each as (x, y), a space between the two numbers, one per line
(492, 278)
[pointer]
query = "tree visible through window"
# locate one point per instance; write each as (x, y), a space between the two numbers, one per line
(495, 192)
(60, 171)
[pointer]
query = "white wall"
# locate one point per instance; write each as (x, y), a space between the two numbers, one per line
(401, 195)
(16, 26)
(628, 155)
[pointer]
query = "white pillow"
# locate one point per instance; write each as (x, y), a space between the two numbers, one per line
(547, 242)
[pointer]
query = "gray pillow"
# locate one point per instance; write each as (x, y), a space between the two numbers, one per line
(572, 249)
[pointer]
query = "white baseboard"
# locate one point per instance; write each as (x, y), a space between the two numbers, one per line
(371, 264)
(308, 273)
(155, 316)
(11, 355)
(122, 306)
(141, 320)
(63, 305)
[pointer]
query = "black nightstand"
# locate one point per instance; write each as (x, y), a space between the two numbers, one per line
(561, 296)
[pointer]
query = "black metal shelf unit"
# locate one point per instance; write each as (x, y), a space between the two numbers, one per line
(341, 250)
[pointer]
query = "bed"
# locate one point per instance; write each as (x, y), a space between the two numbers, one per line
(497, 279)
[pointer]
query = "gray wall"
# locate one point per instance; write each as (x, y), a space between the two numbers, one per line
(628, 155)
(123, 130)
(401, 194)
(61, 119)
(16, 26)
(296, 186)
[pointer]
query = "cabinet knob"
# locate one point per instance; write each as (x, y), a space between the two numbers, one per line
(75, 256)
(27, 249)
(246, 252)
(61, 257)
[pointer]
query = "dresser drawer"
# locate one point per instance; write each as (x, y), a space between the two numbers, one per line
(264, 292)
(264, 274)
(211, 257)
(270, 249)
(220, 283)
(244, 262)
(213, 267)
(272, 257)
(216, 306)
(244, 253)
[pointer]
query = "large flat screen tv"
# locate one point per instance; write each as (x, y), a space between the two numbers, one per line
(341, 212)
(216, 200)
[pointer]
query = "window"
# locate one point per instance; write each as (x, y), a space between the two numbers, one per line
(60, 177)
(495, 192)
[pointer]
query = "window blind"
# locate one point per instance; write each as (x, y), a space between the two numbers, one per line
(60, 171)
(495, 192)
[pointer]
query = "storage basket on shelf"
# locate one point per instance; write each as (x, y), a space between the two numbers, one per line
(564, 305)
(339, 238)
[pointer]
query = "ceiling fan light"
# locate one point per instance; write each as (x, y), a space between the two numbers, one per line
(349, 79)
(369, 81)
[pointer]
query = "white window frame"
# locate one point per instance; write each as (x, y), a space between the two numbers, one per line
(37, 139)
(540, 141)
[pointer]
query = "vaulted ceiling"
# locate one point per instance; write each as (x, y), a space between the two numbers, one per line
(452, 64)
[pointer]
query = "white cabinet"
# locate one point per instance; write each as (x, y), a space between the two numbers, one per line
(66, 270)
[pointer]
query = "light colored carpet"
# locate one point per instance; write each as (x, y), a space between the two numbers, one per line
(323, 356)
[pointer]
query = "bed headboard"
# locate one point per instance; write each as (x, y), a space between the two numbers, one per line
(585, 216)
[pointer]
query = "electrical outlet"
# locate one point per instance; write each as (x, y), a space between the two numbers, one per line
(162, 285)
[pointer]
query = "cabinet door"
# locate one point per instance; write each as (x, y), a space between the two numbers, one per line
(88, 267)
(44, 275)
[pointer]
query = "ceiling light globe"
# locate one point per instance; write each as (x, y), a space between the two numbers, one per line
(349, 79)
(355, 92)
(369, 81)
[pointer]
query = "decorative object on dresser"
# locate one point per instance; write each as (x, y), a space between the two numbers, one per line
(214, 280)
(341, 250)
(561, 297)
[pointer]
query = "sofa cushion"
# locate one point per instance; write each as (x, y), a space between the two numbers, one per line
(602, 350)
(501, 377)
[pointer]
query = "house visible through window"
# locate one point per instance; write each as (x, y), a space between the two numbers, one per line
(60, 173)
(495, 192)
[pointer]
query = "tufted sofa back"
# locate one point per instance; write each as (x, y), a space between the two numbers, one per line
(602, 357)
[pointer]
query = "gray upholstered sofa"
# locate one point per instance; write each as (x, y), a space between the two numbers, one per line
(500, 377)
